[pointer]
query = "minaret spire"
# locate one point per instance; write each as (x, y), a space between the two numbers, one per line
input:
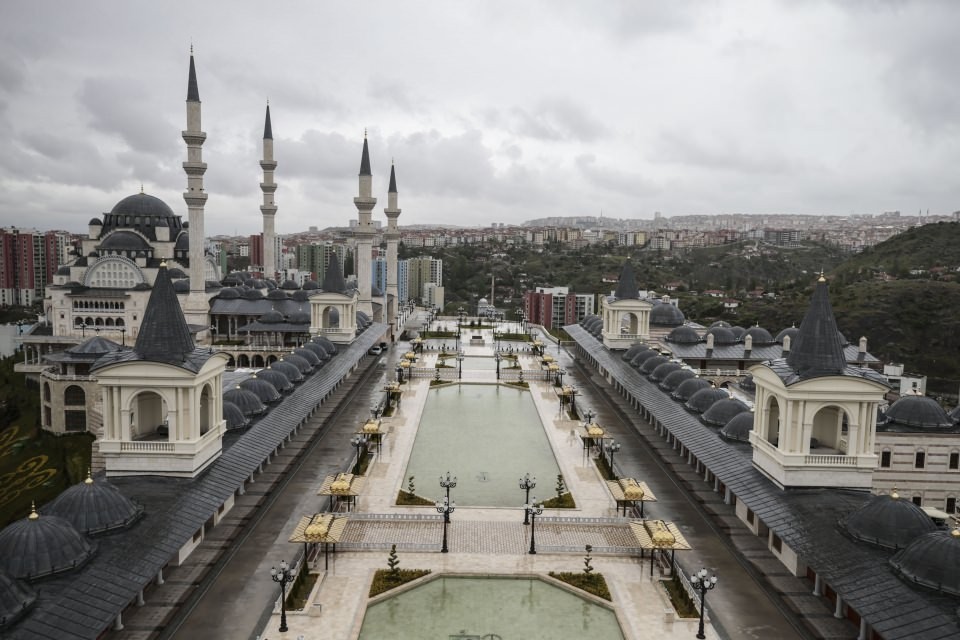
(196, 306)
(365, 202)
(392, 236)
(269, 207)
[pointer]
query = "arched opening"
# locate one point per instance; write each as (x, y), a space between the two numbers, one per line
(629, 324)
(206, 409)
(46, 392)
(257, 362)
(330, 318)
(120, 322)
(231, 363)
(77, 322)
(243, 360)
(148, 417)
(773, 421)
(74, 395)
(828, 430)
(271, 360)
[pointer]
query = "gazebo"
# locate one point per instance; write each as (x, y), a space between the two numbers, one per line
(628, 492)
(372, 431)
(658, 535)
(325, 528)
(592, 436)
(342, 488)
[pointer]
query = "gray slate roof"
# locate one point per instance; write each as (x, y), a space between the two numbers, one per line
(627, 284)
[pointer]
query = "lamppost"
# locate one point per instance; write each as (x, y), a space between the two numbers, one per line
(459, 365)
(533, 510)
(399, 374)
(497, 357)
(448, 483)
(446, 508)
(123, 336)
(588, 415)
(527, 483)
(461, 314)
(702, 583)
(359, 443)
(612, 448)
(283, 576)
(560, 374)
(83, 329)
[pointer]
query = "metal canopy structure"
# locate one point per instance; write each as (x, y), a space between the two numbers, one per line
(342, 488)
(627, 492)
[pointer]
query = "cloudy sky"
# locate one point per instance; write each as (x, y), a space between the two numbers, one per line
(494, 111)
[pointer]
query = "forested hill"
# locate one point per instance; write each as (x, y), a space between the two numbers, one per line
(934, 248)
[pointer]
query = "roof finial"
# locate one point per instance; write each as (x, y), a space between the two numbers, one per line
(163, 263)
(89, 479)
(364, 133)
(894, 495)
(821, 278)
(33, 511)
(141, 188)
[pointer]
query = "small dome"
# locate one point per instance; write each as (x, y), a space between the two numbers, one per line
(686, 389)
(181, 286)
(183, 241)
(277, 294)
(16, 598)
(94, 507)
(272, 317)
(299, 317)
(259, 284)
(633, 351)
(289, 285)
(723, 411)
(673, 380)
(246, 400)
(652, 363)
(176, 273)
(307, 355)
(300, 363)
(721, 323)
(704, 399)
(232, 280)
(95, 222)
(262, 389)
(289, 370)
(761, 337)
(94, 346)
(789, 331)
(738, 332)
(888, 521)
(252, 294)
(642, 357)
(664, 370)
(739, 427)
(375, 291)
(300, 296)
(665, 314)
(124, 241)
(317, 350)
(141, 204)
(212, 284)
(229, 293)
(932, 560)
(279, 381)
(327, 344)
(721, 336)
(41, 545)
(684, 335)
(589, 319)
(63, 271)
(234, 416)
(311, 285)
(912, 412)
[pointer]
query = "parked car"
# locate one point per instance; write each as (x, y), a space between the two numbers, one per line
(375, 350)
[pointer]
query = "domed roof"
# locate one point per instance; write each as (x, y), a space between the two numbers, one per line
(747, 383)
(182, 286)
(721, 336)
(289, 285)
(704, 399)
(789, 331)
(720, 323)
(932, 560)
(183, 241)
(300, 296)
(94, 507)
(955, 414)
(737, 332)
(311, 285)
(232, 279)
(888, 521)
(300, 363)
(259, 284)
(642, 357)
(277, 294)
(723, 410)
(664, 370)
(739, 427)
(684, 335)
(41, 545)
(761, 337)
(141, 204)
(234, 416)
(252, 294)
(687, 388)
(16, 598)
(319, 351)
(176, 273)
(95, 222)
(262, 388)
(375, 291)
(229, 293)
(652, 363)
(589, 319)
(246, 400)
(665, 314)
(95, 346)
(272, 317)
(124, 241)
(307, 355)
(279, 381)
(63, 271)
(289, 370)
(327, 344)
(673, 380)
(299, 317)
(633, 350)
(912, 412)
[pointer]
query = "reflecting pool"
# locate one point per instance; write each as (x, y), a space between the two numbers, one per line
(488, 436)
(468, 608)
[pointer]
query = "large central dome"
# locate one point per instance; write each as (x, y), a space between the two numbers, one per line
(141, 204)
(145, 214)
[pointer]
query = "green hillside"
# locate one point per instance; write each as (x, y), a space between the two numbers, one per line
(927, 247)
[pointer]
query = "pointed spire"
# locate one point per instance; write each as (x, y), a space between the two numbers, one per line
(333, 281)
(393, 180)
(33, 511)
(627, 285)
(816, 351)
(267, 128)
(164, 335)
(193, 92)
(365, 158)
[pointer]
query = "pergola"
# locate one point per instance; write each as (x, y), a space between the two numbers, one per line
(394, 394)
(342, 488)
(372, 432)
(658, 535)
(567, 394)
(325, 528)
(592, 435)
(628, 492)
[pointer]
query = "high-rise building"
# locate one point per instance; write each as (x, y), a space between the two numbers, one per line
(421, 271)
(28, 262)
(555, 307)
(315, 257)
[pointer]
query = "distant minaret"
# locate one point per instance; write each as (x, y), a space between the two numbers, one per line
(392, 237)
(364, 232)
(196, 306)
(269, 207)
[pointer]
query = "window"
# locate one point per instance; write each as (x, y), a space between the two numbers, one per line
(775, 542)
(75, 420)
(917, 500)
(920, 459)
(750, 516)
(885, 458)
(954, 460)
(951, 505)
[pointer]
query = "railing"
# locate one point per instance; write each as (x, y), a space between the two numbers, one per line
(513, 375)
(154, 447)
(721, 372)
(832, 461)
(51, 373)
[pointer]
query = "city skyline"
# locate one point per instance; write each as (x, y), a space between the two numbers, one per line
(492, 112)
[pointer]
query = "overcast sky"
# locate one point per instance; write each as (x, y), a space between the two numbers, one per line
(494, 111)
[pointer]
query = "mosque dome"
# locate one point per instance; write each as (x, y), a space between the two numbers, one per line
(299, 317)
(684, 335)
(704, 399)
(176, 273)
(913, 412)
(723, 411)
(721, 336)
(95, 222)
(262, 389)
(234, 416)
(747, 383)
(721, 323)
(317, 350)
(327, 344)
(16, 598)
(307, 355)
(633, 351)
(247, 401)
(311, 285)
(300, 295)
(790, 332)
(259, 284)
(291, 371)
(229, 293)
(277, 294)
(737, 332)
(932, 560)
(272, 317)
(299, 362)
(289, 285)
(739, 427)
(888, 521)
(94, 507)
(673, 380)
(41, 545)
(252, 294)
(652, 363)
(686, 389)
(141, 204)
(232, 279)
(63, 271)
(761, 337)
(665, 314)
(279, 381)
(642, 357)
(182, 286)
(183, 242)
(664, 370)
(124, 241)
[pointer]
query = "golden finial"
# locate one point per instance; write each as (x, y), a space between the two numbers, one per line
(89, 479)
(163, 263)
(821, 278)
(33, 511)
(894, 495)
(956, 532)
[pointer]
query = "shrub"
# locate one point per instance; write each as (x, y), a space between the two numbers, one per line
(593, 583)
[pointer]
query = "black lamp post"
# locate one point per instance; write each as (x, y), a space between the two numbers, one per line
(702, 583)
(527, 483)
(612, 448)
(400, 374)
(448, 483)
(446, 508)
(560, 374)
(533, 510)
(284, 576)
(359, 443)
(588, 415)
(123, 336)
(83, 329)
(497, 357)
(459, 365)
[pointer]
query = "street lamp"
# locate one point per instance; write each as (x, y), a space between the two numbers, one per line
(527, 483)
(459, 365)
(448, 483)
(702, 583)
(560, 374)
(359, 443)
(533, 510)
(612, 448)
(588, 415)
(283, 576)
(497, 357)
(123, 336)
(446, 508)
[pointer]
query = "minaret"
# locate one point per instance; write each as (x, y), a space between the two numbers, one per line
(269, 207)
(196, 306)
(364, 232)
(392, 237)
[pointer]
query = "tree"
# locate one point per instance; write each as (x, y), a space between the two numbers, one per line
(393, 562)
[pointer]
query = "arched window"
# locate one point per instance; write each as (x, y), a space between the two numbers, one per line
(74, 395)
(46, 392)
